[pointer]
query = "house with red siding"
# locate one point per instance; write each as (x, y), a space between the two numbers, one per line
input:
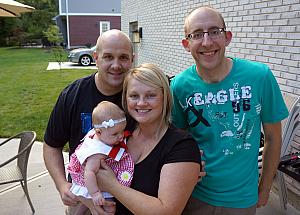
(81, 22)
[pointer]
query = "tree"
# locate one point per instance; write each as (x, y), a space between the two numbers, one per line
(7, 27)
(53, 35)
(30, 26)
(55, 38)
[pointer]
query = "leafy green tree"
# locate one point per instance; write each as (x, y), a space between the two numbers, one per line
(53, 35)
(55, 38)
(7, 25)
(28, 27)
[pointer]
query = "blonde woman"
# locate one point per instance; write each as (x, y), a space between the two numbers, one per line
(167, 160)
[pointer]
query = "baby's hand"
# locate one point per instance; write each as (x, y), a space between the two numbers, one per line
(98, 199)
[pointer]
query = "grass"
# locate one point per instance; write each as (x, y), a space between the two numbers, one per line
(28, 91)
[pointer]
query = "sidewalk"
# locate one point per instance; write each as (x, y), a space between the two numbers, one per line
(46, 199)
(68, 65)
(41, 188)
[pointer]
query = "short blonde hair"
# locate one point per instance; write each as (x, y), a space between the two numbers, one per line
(105, 111)
(153, 76)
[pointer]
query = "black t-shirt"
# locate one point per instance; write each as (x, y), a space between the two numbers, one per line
(71, 117)
(175, 146)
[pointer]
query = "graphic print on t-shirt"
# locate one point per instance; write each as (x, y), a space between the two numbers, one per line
(228, 112)
(86, 122)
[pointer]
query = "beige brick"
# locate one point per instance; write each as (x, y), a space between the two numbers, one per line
(262, 30)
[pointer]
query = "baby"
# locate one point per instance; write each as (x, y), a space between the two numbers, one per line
(107, 140)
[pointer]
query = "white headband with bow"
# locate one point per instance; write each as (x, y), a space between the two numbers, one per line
(110, 123)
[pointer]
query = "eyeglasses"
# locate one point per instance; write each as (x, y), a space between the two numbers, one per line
(213, 33)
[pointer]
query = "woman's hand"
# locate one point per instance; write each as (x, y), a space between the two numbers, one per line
(99, 210)
(106, 178)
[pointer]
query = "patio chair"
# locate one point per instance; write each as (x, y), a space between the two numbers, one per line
(17, 171)
(293, 146)
(288, 126)
(295, 140)
(293, 105)
(260, 152)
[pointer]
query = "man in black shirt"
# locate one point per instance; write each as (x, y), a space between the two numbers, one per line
(70, 119)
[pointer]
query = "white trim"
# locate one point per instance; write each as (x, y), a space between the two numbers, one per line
(101, 28)
(67, 20)
(119, 154)
(92, 14)
(59, 6)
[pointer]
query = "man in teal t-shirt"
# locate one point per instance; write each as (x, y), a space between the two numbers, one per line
(223, 102)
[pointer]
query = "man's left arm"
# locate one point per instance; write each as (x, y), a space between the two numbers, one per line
(271, 156)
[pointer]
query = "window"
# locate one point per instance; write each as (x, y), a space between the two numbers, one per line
(104, 26)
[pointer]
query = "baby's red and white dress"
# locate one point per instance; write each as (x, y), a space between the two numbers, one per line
(118, 159)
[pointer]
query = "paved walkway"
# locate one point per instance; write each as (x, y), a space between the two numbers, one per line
(68, 65)
(41, 188)
(46, 199)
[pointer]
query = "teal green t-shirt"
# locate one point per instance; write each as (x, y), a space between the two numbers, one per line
(225, 119)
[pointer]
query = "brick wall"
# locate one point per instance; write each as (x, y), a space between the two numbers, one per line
(263, 30)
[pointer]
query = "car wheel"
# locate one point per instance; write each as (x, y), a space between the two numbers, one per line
(85, 60)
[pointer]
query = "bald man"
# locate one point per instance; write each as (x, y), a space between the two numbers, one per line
(71, 116)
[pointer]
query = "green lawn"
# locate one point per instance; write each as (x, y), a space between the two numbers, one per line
(28, 91)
